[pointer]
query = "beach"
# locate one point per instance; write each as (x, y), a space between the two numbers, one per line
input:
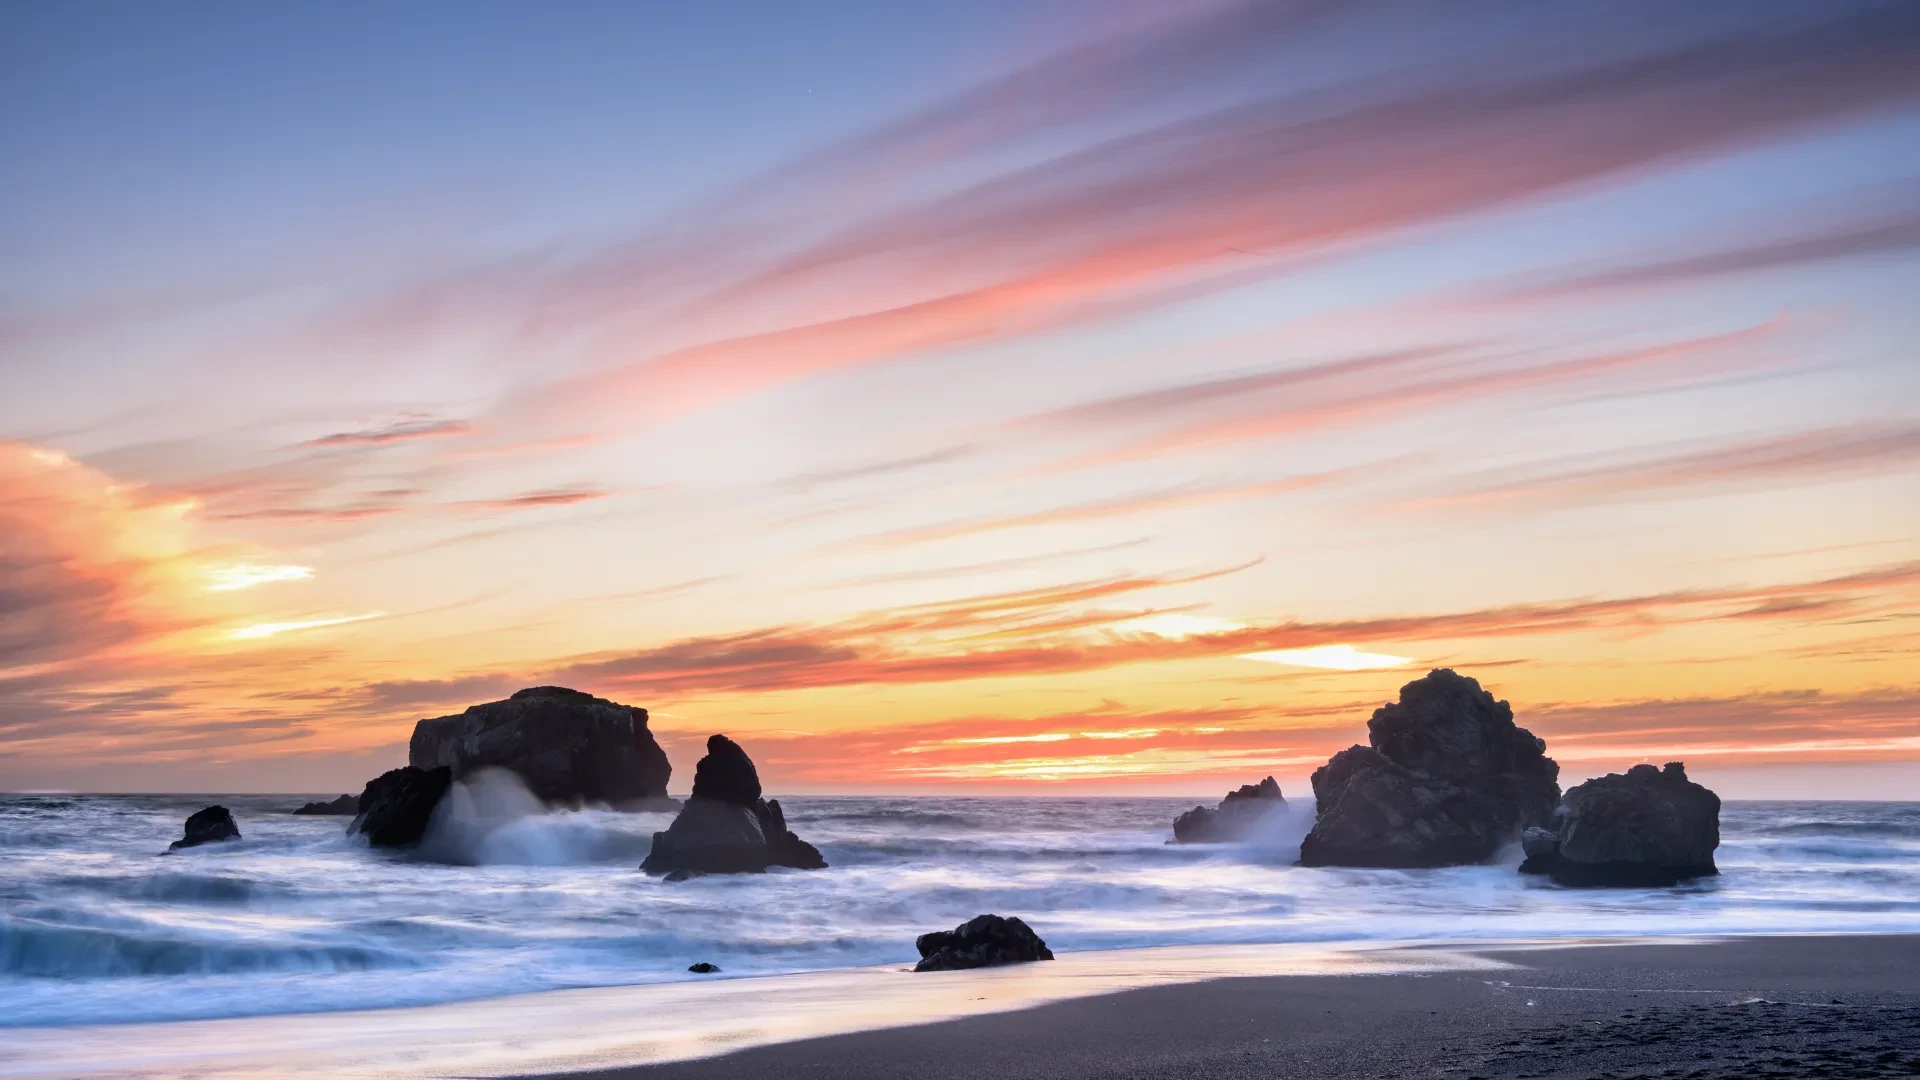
(1800, 1006)
(1772, 1006)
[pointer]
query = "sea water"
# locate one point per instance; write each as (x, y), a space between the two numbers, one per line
(97, 925)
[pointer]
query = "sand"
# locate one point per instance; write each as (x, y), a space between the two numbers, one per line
(1766, 1007)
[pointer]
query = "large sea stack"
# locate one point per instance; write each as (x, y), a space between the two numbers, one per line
(1237, 818)
(569, 747)
(1448, 780)
(1646, 826)
(725, 826)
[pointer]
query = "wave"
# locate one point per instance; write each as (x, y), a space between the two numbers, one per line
(491, 819)
(31, 947)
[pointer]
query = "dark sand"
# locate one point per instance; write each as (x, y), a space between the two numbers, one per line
(1751, 1007)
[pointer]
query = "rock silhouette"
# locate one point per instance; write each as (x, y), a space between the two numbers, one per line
(1448, 780)
(397, 805)
(207, 826)
(982, 941)
(726, 827)
(345, 804)
(569, 747)
(1644, 827)
(1238, 816)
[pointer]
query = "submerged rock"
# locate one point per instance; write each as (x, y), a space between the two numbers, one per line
(207, 826)
(397, 805)
(726, 827)
(345, 804)
(982, 941)
(568, 747)
(704, 968)
(1644, 827)
(1448, 780)
(1237, 818)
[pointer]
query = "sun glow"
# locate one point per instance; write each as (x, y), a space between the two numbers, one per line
(269, 629)
(236, 576)
(1330, 658)
(1178, 625)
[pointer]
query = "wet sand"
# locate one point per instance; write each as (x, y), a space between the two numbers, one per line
(1768, 1007)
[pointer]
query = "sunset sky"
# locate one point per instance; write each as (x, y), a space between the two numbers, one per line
(1011, 396)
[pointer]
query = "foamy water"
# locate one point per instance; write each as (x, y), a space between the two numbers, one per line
(99, 927)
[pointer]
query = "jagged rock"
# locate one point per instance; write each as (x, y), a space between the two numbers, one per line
(1644, 827)
(397, 805)
(345, 804)
(207, 826)
(568, 747)
(704, 968)
(1448, 780)
(982, 941)
(1238, 816)
(726, 827)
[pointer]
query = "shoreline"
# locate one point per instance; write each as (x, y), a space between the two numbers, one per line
(654, 1029)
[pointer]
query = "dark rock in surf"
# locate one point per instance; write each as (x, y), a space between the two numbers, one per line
(1644, 827)
(568, 747)
(982, 941)
(726, 827)
(344, 805)
(1448, 780)
(1237, 818)
(1540, 847)
(397, 805)
(208, 826)
(704, 968)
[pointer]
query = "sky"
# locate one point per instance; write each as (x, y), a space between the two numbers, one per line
(1021, 396)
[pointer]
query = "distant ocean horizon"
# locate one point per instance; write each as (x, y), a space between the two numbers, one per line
(97, 926)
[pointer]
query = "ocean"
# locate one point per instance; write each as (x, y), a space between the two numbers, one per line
(98, 926)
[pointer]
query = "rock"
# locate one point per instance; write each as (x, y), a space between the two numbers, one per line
(1238, 816)
(726, 827)
(682, 875)
(982, 941)
(1540, 847)
(704, 968)
(726, 773)
(1448, 780)
(345, 804)
(397, 805)
(568, 747)
(207, 826)
(1644, 827)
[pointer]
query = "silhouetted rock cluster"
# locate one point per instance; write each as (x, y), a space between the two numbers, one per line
(345, 804)
(1448, 780)
(207, 826)
(568, 747)
(982, 941)
(1237, 818)
(726, 827)
(1646, 826)
(397, 805)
